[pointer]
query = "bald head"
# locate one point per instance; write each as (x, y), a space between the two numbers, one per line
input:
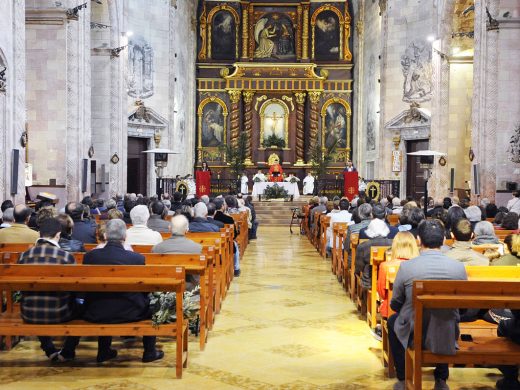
(180, 225)
(21, 213)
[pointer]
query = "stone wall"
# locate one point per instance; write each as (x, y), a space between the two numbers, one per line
(12, 95)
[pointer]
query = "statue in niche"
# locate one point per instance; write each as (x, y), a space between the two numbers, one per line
(417, 71)
(274, 35)
(140, 68)
(212, 125)
(274, 122)
(336, 126)
(327, 36)
(223, 44)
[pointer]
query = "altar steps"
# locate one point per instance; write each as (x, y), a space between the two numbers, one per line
(276, 213)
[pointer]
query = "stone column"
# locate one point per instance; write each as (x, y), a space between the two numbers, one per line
(248, 124)
(305, 32)
(245, 30)
(300, 127)
(234, 129)
(314, 98)
(485, 99)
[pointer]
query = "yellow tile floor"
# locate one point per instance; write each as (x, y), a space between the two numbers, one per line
(285, 324)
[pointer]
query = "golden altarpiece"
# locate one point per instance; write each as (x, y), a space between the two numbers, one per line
(279, 72)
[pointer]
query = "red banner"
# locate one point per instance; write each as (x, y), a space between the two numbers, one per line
(351, 184)
(203, 182)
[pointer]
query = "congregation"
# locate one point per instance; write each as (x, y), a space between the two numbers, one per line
(439, 244)
(110, 230)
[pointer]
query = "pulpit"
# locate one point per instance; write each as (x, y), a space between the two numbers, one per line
(203, 182)
(351, 184)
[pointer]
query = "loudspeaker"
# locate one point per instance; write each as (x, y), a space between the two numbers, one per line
(511, 186)
(15, 162)
(103, 180)
(476, 179)
(84, 175)
(452, 179)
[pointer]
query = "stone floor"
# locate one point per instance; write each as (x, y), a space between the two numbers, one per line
(285, 324)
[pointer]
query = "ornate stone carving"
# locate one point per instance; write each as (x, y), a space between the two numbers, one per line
(417, 71)
(234, 97)
(140, 68)
(314, 98)
(248, 122)
(3, 80)
(300, 127)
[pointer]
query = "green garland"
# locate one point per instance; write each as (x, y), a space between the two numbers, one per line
(275, 192)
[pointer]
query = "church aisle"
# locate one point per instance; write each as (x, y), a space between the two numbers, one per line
(285, 324)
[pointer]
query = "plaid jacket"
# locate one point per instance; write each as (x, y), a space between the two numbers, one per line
(46, 307)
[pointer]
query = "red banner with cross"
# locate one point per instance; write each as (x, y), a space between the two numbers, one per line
(203, 182)
(351, 184)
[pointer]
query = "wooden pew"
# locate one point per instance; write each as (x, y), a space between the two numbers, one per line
(446, 294)
(201, 265)
(339, 230)
(322, 244)
(92, 278)
(15, 247)
(305, 221)
(354, 241)
(243, 235)
(502, 234)
(377, 256)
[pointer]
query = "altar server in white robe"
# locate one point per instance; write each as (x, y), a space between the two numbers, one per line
(308, 184)
(243, 184)
(192, 187)
(259, 177)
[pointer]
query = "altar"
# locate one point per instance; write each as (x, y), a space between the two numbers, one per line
(260, 187)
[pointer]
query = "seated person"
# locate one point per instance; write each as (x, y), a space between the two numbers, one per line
(509, 328)
(50, 307)
(178, 243)
(410, 219)
(513, 244)
(510, 222)
(84, 230)
(442, 332)
(211, 214)
(379, 212)
(113, 307)
(157, 222)
(461, 250)
(139, 233)
(19, 232)
(66, 241)
(200, 222)
(342, 216)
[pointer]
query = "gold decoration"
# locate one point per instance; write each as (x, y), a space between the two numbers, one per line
(234, 95)
(300, 97)
(200, 112)
(260, 100)
(344, 32)
(305, 32)
(237, 26)
(273, 159)
(290, 100)
(286, 119)
(360, 27)
(373, 190)
(248, 96)
(314, 97)
(348, 112)
(203, 33)
(245, 28)
(442, 161)
(224, 72)
(396, 140)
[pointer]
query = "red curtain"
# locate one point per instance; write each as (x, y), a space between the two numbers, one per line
(351, 184)
(203, 182)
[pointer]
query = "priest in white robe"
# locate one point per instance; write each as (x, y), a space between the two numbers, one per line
(259, 177)
(243, 184)
(308, 184)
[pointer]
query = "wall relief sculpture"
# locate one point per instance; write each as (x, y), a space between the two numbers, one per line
(274, 36)
(223, 31)
(140, 68)
(417, 72)
(327, 35)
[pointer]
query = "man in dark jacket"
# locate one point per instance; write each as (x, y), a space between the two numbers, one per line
(156, 221)
(211, 213)
(511, 329)
(84, 230)
(50, 307)
(114, 308)
(200, 222)
(66, 242)
(220, 215)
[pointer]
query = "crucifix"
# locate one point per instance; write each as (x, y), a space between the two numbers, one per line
(275, 120)
(372, 190)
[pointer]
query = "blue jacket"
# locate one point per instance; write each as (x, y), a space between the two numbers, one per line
(84, 231)
(202, 225)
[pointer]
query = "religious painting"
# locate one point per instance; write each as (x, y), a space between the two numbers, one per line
(140, 68)
(417, 71)
(336, 124)
(274, 35)
(223, 32)
(274, 116)
(327, 36)
(212, 114)
(371, 92)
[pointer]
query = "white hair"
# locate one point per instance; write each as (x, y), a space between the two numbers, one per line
(180, 225)
(8, 215)
(396, 202)
(473, 213)
(377, 228)
(200, 210)
(205, 199)
(115, 230)
(111, 204)
(484, 228)
(324, 200)
(139, 215)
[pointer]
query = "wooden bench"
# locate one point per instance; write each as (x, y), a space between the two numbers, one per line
(322, 242)
(377, 256)
(339, 231)
(93, 278)
(446, 294)
(502, 234)
(15, 247)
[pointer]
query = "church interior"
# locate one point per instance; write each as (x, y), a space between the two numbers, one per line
(302, 124)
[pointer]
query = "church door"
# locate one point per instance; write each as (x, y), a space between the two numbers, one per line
(414, 172)
(137, 166)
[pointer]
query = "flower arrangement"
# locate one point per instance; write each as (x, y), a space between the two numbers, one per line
(275, 192)
(163, 305)
(273, 141)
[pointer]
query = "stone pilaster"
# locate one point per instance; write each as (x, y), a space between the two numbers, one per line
(248, 123)
(314, 98)
(234, 97)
